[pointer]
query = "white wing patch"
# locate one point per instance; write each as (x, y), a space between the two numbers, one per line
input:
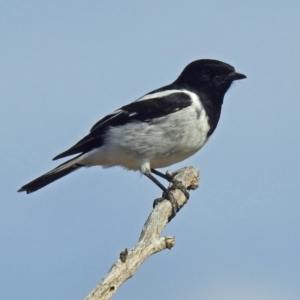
(195, 103)
(159, 94)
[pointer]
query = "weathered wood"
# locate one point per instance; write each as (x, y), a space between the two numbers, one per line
(150, 240)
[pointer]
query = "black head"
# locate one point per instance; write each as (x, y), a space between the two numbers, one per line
(209, 79)
(208, 76)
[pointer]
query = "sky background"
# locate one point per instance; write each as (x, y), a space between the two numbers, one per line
(65, 64)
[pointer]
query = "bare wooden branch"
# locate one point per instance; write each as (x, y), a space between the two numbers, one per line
(150, 240)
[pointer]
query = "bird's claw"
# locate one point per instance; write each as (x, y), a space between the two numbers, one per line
(173, 202)
(168, 196)
(177, 185)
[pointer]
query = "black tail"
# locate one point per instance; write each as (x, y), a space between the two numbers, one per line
(60, 171)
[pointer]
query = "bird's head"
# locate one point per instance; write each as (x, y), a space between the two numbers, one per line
(208, 76)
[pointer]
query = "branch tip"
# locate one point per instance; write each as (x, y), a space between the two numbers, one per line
(170, 242)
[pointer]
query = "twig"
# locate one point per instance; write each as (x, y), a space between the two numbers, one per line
(150, 240)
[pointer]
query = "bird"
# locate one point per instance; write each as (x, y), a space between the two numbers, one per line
(159, 129)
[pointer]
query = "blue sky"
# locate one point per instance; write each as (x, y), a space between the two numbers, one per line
(65, 64)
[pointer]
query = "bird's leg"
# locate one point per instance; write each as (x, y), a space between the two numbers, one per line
(176, 184)
(145, 169)
(164, 176)
(153, 179)
(165, 195)
(147, 172)
(169, 196)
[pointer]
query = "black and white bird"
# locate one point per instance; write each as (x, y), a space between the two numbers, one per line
(157, 130)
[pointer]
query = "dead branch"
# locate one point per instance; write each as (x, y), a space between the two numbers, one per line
(150, 240)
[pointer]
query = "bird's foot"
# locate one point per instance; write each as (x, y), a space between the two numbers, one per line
(177, 185)
(169, 196)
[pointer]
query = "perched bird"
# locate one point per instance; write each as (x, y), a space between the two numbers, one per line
(157, 130)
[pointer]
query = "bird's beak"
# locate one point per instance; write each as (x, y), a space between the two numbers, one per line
(236, 76)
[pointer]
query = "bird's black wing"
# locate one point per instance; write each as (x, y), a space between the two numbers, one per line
(140, 110)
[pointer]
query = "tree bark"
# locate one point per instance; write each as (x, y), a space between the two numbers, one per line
(150, 240)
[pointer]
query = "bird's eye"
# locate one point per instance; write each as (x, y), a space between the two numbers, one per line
(206, 72)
